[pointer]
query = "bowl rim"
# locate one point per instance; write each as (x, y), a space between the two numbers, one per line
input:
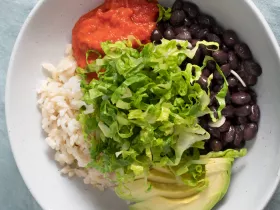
(260, 17)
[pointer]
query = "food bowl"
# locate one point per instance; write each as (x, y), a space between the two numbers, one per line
(43, 39)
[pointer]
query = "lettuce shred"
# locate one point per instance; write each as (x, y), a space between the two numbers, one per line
(146, 109)
(164, 14)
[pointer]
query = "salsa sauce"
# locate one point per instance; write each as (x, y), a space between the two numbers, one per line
(113, 21)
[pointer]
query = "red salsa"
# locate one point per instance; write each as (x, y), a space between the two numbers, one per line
(113, 21)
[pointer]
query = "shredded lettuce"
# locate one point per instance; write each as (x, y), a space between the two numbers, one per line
(164, 14)
(221, 95)
(146, 109)
(230, 153)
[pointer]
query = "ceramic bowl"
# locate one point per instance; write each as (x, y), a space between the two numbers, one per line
(43, 38)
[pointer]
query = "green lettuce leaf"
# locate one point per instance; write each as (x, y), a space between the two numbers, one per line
(221, 95)
(230, 153)
(146, 109)
(164, 14)
(188, 137)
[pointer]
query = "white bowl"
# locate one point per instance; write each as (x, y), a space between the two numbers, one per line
(43, 39)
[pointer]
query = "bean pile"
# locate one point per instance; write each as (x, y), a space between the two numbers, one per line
(242, 113)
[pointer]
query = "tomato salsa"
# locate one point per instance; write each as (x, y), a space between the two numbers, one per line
(114, 20)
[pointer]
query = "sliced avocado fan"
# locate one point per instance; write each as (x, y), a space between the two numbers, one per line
(177, 196)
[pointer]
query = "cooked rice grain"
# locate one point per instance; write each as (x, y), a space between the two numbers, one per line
(60, 101)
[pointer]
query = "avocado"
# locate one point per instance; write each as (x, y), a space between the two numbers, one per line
(161, 177)
(177, 191)
(218, 185)
(218, 172)
(163, 170)
(138, 190)
(162, 203)
(135, 191)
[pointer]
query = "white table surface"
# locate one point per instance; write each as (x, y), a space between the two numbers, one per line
(14, 194)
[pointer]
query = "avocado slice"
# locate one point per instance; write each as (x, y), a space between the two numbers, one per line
(135, 191)
(163, 170)
(218, 172)
(161, 177)
(162, 203)
(177, 191)
(218, 186)
(138, 190)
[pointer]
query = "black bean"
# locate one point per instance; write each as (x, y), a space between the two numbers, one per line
(184, 63)
(252, 68)
(214, 132)
(206, 72)
(217, 30)
(194, 21)
(251, 80)
(187, 22)
(240, 70)
(228, 111)
(203, 82)
(214, 110)
(233, 60)
(167, 25)
(241, 88)
(243, 111)
(254, 95)
(232, 82)
(156, 36)
(213, 100)
(217, 88)
(201, 35)
(239, 136)
(191, 9)
(206, 21)
(225, 69)
(224, 48)
(250, 131)
(228, 98)
(160, 27)
(241, 120)
(184, 36)
(242, 73)
(211, 65)
(220, 56)
(178, 5)
(169, 34)
(177, 17)
(230, 134)
(243, 51)
(226, 145)
(255, 113)
(203, 122)
(230, 38)
(194, 42)
(180, 29)
(206, 149)
(219, 82)
(197, 58)
(217, 75)
(216, 145)
(194, 29)
(213, 38)
(225, 126)
(205, 51)
(241, 98)
(242, 145)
